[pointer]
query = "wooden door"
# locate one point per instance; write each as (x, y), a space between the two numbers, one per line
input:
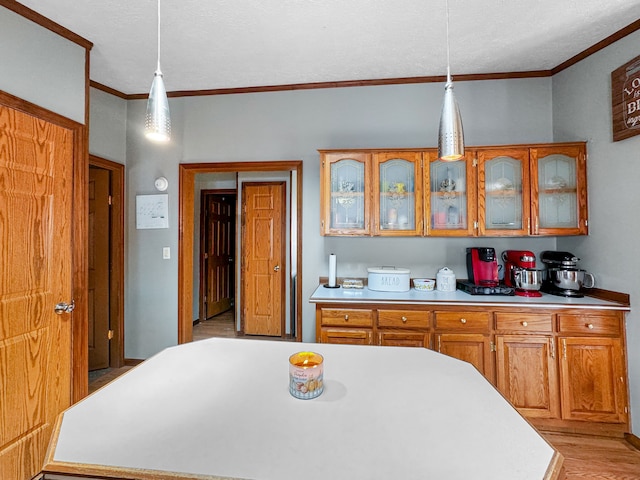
(36, 184)
(470, 347)
(263, 258)
(592, 379)
(99, 296)
(218, 250)
(527, 375)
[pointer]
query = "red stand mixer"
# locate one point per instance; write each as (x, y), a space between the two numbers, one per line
(520, 272)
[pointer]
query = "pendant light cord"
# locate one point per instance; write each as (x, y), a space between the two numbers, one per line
(447, 23)
(158, 69)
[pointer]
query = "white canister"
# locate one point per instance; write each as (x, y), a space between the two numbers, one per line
(388, 279)
(446, 280)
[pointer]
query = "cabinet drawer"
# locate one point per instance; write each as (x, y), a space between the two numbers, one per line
(346, 336)
(403, 318)
(463, 321)
(347, 317)
(597, 323)
(524, 322)
(389, 338)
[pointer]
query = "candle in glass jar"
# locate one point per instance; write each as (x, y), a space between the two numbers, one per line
(306, 375)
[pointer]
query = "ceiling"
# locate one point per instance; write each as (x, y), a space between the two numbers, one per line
(251, 43)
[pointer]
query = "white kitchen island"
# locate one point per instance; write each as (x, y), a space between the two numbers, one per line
(221, 408)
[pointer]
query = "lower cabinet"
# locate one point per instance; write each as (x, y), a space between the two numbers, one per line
(527, 374)
(564, 369)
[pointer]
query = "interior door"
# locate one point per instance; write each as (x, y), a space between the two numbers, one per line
(99, 236)
(36, 186)
(263, 258)
(218, 250)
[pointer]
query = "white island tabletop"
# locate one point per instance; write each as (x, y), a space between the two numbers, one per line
(221, 408)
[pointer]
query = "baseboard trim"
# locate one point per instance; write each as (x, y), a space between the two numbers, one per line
(132, 362)
(633, 440)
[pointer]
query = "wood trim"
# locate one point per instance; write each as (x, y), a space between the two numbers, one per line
(116, 247)
(46, 23)
(132, 362)
(554, 471)
(611, 296)
(112, 91)
(632, 440)
(611, 39)
(187, 173)
(629, 29)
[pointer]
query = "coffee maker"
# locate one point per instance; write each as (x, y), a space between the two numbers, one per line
(482, 271)
(563, 277)
(520, 272)
(482, 266)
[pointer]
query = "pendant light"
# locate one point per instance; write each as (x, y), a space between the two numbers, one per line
(158, 121)
(450, 134)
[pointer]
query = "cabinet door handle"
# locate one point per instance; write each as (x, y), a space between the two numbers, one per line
(524, 324)
(552, 344)
(404, 319)
(564, 349)
(346, 317)
(589, 326)
(463, 320)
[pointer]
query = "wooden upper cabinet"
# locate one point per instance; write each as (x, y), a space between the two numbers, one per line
(559, 190)
(345, 193)
(397, 196)
(450, 196)
(503, 192)
(494, 191)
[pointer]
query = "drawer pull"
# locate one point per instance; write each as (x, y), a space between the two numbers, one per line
(346, 317)
(404, 319)
(463, 320)
(524, 324)
(589, 326)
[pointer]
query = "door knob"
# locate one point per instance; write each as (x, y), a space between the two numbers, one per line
(64, 307)
(276, 268)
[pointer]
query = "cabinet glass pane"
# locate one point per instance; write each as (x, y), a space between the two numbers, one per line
(347, 194)
(448, 195)
(397, 195)
(503, 193)
(557, 193)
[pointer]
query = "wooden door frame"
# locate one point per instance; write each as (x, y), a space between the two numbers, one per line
(79, 234)
(116, 253)
(203, 226)
(188, 172)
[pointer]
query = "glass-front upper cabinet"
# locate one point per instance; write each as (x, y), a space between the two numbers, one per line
(397, 199)
(450, 196)
(503, 192)
(559, 190)
(345, 193)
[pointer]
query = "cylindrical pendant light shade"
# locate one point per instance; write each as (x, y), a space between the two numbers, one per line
(450, 134)
(158, 120)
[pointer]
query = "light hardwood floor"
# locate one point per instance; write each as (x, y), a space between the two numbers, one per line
(585, 457)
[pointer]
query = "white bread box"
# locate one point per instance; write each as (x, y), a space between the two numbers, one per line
(388, 279)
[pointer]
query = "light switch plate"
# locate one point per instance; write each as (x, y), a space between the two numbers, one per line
(166, 253)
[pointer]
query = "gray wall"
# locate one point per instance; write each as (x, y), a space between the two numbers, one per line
(41, 67)
(582, 107)
(108, 126)
(292, 126)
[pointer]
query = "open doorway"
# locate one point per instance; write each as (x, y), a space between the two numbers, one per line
(187, 248)
(106, 264)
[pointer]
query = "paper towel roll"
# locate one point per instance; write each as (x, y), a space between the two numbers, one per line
(332, 270)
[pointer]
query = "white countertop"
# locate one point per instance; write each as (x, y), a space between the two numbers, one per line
(413, 296)
(222, 408)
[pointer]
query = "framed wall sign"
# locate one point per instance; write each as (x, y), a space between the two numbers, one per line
(625, 100)
(152, 211)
